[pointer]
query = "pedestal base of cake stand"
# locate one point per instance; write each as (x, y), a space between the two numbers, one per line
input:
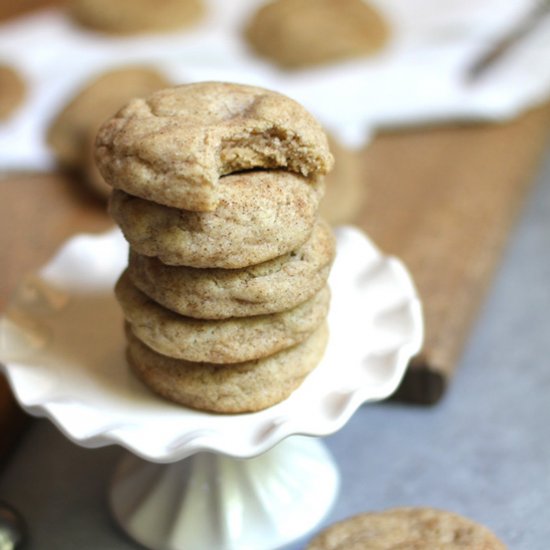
(62, 349)
(212, 501)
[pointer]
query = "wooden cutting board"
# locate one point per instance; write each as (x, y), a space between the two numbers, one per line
(37, 214)
(442, 199)
(445, 200)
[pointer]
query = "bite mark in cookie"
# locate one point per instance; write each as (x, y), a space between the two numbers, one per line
(173, 147)
(269, 287)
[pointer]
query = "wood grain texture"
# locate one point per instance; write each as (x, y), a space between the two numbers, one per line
(37, 214)
(445, 200)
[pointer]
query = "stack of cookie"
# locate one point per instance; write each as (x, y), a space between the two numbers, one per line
(217, 189)
(414, 527)
(128, 17)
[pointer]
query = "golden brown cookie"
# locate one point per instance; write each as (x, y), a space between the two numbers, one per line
(12, 91)
(301, 33)
(269, 287)
(173, 147)
(346, 186)
(407, 528)
(89, 172)
(218, 341)
(136, 16)
(261, 215)
(71, 134)
(237, 388)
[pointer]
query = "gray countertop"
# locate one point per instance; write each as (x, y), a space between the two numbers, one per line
(483, 451)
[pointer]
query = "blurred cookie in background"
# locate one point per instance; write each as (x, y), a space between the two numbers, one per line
(136, 16)
(12, 91)
(89, 172)
(346, 187)
(301, 33)
(71, 134)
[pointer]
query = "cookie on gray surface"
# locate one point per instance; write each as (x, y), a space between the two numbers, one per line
(71, 134)
(218, 341)
(269, 287)
(173, 147)
(407, 528)
(136, 16)
(12, 90)
(302, 33)
(238, 388)
(261, 215)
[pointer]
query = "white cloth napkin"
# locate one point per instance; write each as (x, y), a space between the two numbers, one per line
(419, 78)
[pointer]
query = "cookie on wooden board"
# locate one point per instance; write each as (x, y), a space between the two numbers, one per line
(173, 147)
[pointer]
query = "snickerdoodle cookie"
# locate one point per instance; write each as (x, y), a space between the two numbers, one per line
(71, 134)
(173, 147)
(261, 215)
(218, 341)
(269, 287)
(237, 388)
(301, 33)
(12, 90)
(136, 16)
(407, 528)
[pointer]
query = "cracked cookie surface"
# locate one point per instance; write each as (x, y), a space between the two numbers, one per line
(218, 341)
(261, 215)
(136, 16)
(272, 286)
(407, 528)
(242, 387)
(173, 147)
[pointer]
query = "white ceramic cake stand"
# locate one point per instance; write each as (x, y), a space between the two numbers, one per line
(245, 484)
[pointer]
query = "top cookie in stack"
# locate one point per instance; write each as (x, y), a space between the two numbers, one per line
(217, 188)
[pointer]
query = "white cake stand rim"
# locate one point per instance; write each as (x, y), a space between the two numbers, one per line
(358, 260)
